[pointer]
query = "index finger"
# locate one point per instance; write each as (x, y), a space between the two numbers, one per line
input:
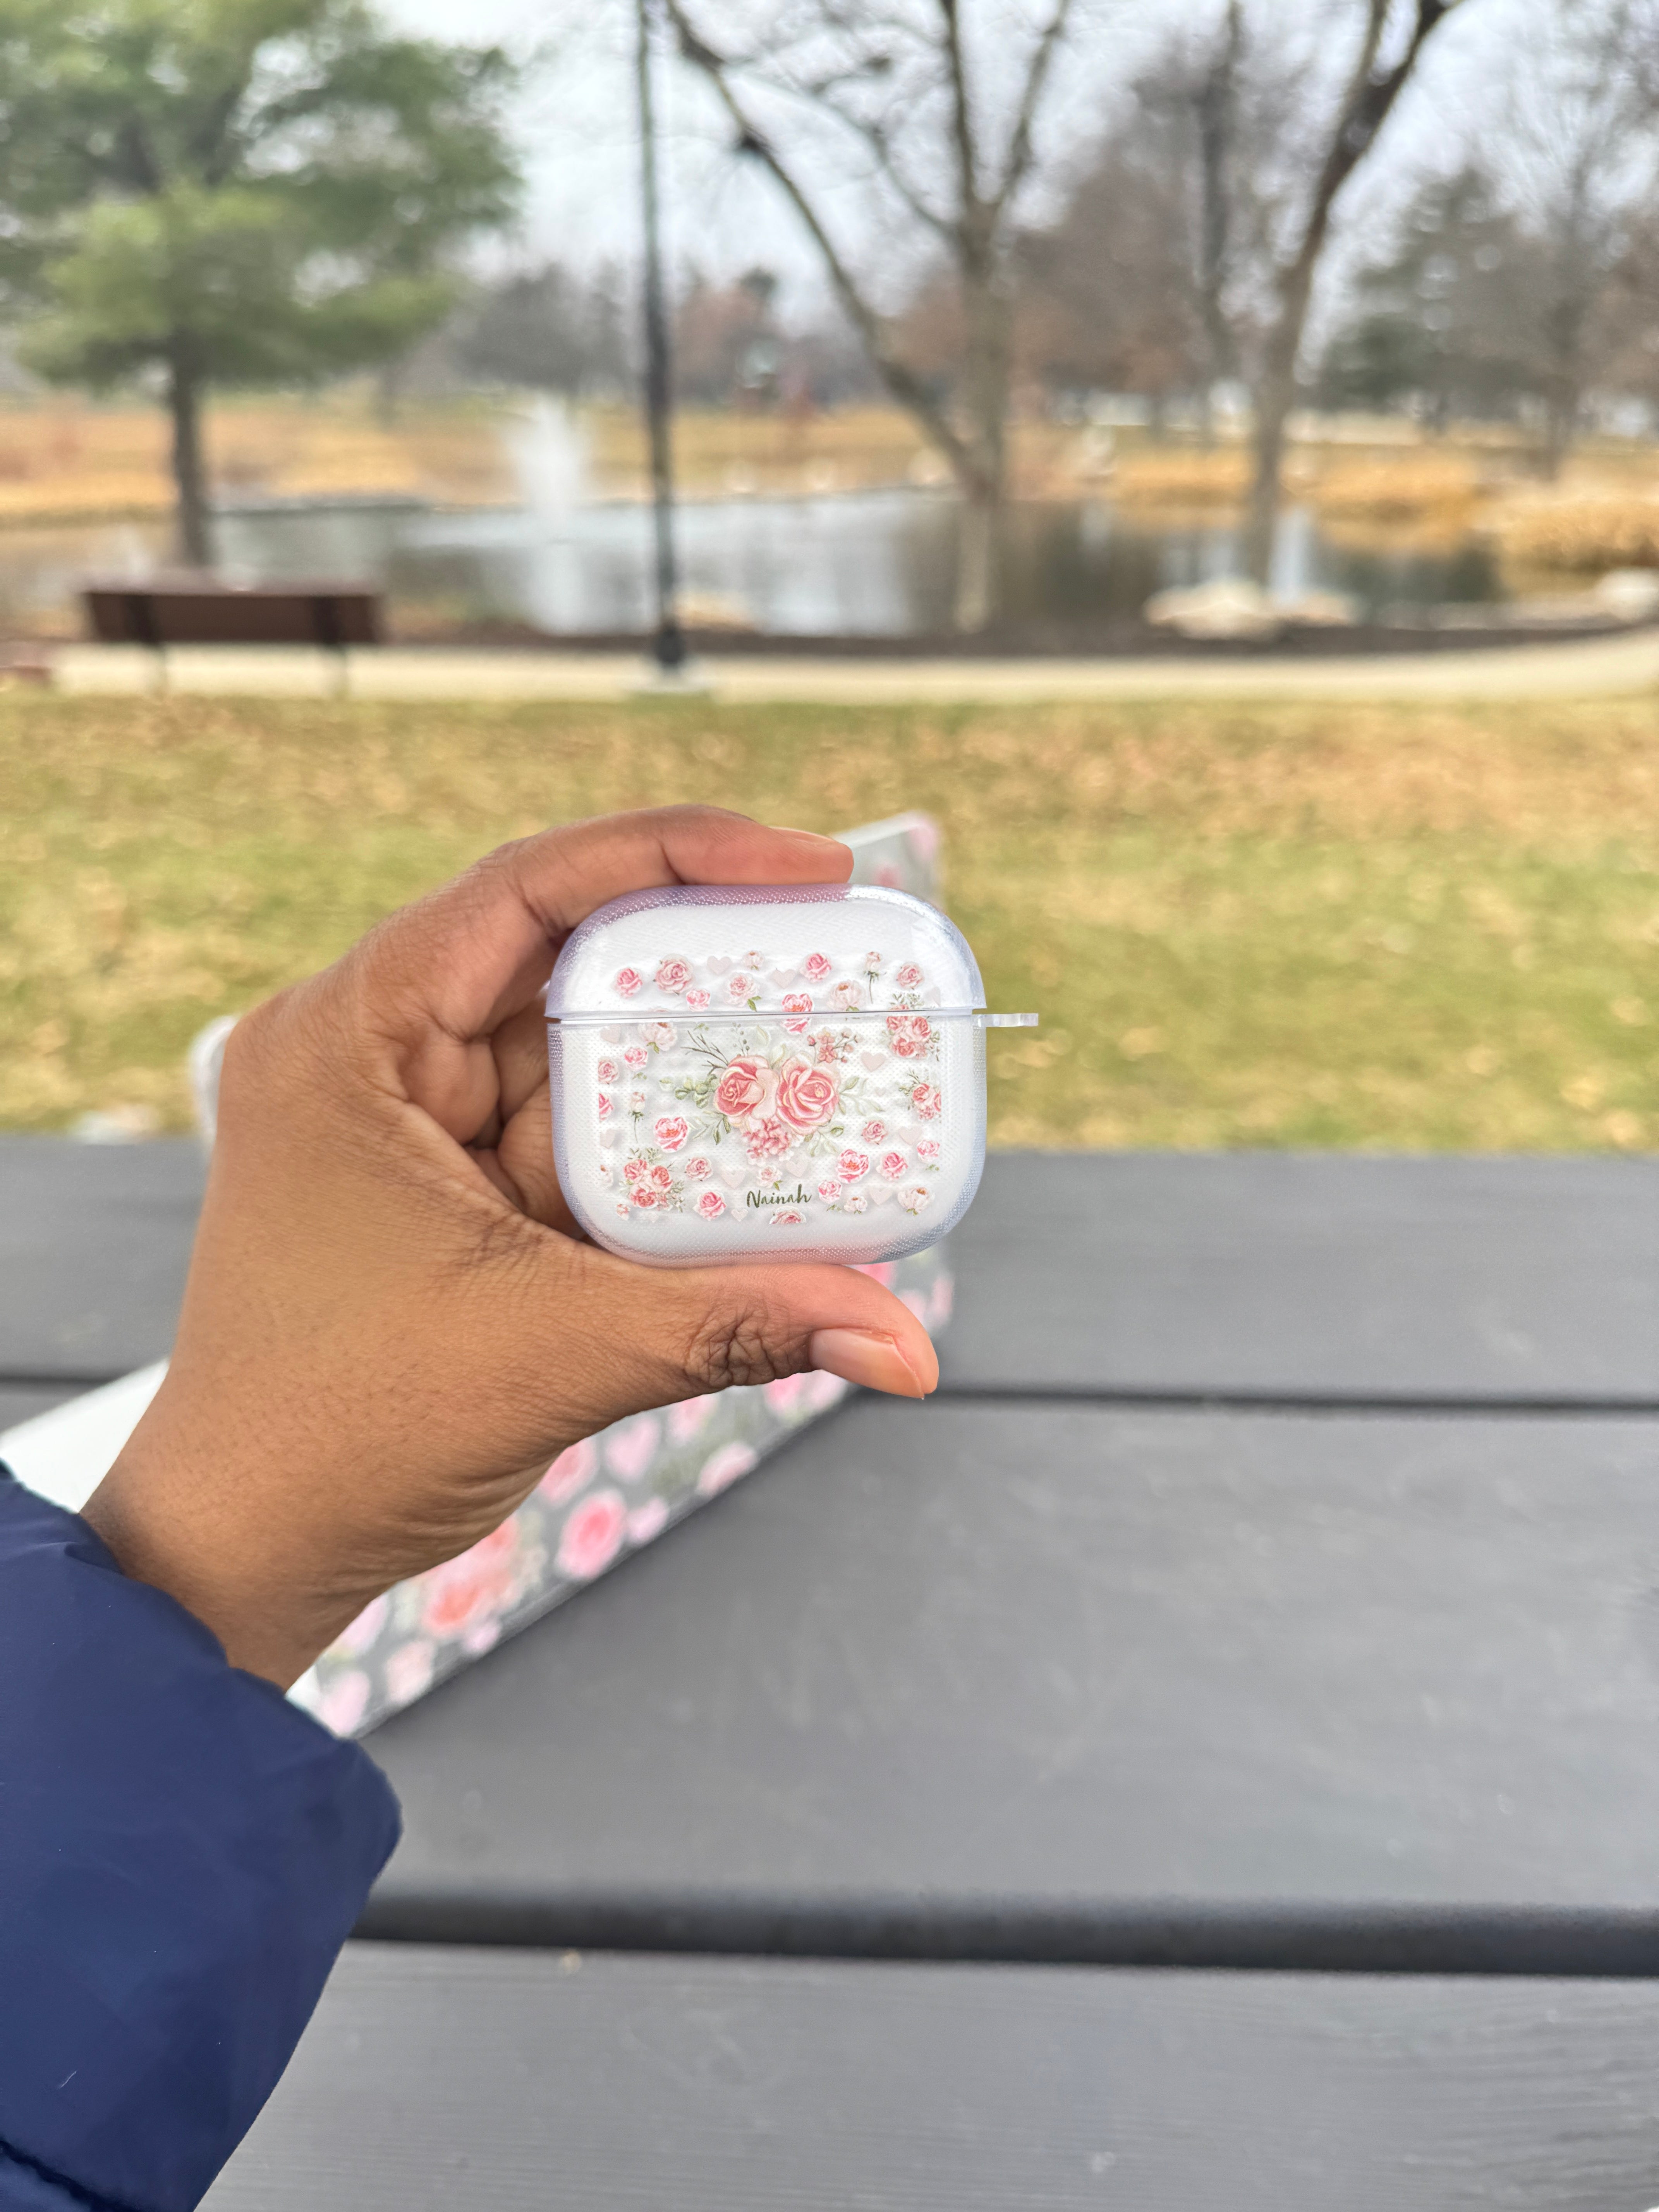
(470, 956)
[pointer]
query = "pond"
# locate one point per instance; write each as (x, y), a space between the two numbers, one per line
(872, 564)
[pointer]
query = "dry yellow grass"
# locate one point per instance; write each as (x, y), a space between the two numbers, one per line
(1420, 927)
(1582, 533)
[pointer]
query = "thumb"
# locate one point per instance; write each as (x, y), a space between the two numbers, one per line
(656, 1334)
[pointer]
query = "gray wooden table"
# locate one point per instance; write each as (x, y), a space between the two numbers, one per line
(1209, 1754)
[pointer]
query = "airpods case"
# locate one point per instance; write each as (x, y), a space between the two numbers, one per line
(760, 1073)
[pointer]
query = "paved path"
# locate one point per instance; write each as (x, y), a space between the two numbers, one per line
(1570, 669)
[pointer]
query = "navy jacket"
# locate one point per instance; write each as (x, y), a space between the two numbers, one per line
(182, 1853)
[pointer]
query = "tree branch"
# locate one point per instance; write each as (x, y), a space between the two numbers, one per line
(1021, 144)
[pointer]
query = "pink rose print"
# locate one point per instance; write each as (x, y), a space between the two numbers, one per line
(889, 877)
(607, 1105)
(847, 994)
(806, 1095)
(906, 978)
(671, 1130)
(660, 1034)
(662, 1177)
(926, 1100)
(824, 1391)
(648, 1521)
(465, 1592)
(830, 1190)
(721, 1468)
(872, 964)
(816, 967)
(609, 1070)
(574, 1469)
(592, 1535)
(363, 1632)
(893, 1165)
(344, 1702)
(629, 980)
(690, 1416)
(710, 1205)
(855, 1202)
(409, 1672)
(798, 1004)
(908, 1034)
(853, 1165)
(915, 1198)
(784, 1394)
(636, 1102)
(738, 988)
(769, 1139)
(673, 974)
(828, 1050)
(697, 999)
(785, 1220)
(928, 1152)
(635, 1057)
(621, 1207)
(874, 1132)
(631, 1448)
(743, 1087)
(699, 1169)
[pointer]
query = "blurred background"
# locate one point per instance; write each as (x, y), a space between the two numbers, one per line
(1072, 327)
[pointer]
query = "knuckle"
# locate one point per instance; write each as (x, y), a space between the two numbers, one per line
(750, 1342)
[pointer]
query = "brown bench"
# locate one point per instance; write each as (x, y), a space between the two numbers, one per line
(201, 612)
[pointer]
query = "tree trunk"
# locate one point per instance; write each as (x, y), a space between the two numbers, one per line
(983, 482)
(1560, 419)
(189, 484)
(1273, 399)
(978, 594)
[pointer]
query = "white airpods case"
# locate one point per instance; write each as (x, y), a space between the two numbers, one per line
(761, 1073)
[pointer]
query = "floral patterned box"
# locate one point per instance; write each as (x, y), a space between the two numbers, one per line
(615, 1491)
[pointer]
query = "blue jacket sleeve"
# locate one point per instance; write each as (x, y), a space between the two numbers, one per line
(182, 1853)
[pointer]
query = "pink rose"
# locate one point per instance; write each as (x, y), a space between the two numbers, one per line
(636, 1102)
(635, 1057)
(355, 1639)
(847, 994)
(853, 1165)
(662, 1177)
(815, 968)
(699, 1169)
(806, 1095)
(889, 877)
(738, 988)
(660, 1034)
(409, 1672)
(632, 1447)
(874, 1132)
(722, 1467)
(647, 1522)
(710, 1205)
(671, 1130)
(592, 1535)
(574, 1469)
(768, 1138)
(785, 1220)
(855, 1202)
(893, 1165)
(926, 1100)
(872, 962)
(673, 974)
(465, 1592)
(344, 1702)
(915, 1198)
(908, 978)
(644, 1198)
(697, 999)
(743, 1087)
(629, 980)
(784, 1394)
(798, 1004)
(830, 1190)
(607, 1105)
(609, 1071)
(908, 1034)
(635, 1166)
(690, 1416)
(928, 1152)
(828, 1051)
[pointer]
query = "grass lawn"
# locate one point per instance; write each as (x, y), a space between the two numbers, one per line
(1414, 927)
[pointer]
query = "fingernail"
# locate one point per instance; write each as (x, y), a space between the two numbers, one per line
(812, 837)
(857, 1355)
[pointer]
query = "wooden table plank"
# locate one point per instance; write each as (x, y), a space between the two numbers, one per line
(1026, 1680)
(502, 2081)
(94, 1244)
(1321, 1275)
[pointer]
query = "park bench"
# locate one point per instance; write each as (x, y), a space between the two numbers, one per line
(199, 610)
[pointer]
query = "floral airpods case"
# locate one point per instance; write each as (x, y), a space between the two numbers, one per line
(761, 1073)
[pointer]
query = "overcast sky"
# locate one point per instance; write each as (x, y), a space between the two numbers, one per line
(576, 124)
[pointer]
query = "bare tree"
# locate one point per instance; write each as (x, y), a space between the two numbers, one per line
(1367, 91)
(953, 147)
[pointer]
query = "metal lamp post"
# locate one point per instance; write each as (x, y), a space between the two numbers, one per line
(668, 644)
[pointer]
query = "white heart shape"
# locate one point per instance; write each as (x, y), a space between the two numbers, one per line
(881, 1194)
(614, 1035)
(609, 1137)
(718, 965)
(734, 1178)
(782, 975)
(873, 1060)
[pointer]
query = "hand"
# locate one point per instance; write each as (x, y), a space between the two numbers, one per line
(390, 1326)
